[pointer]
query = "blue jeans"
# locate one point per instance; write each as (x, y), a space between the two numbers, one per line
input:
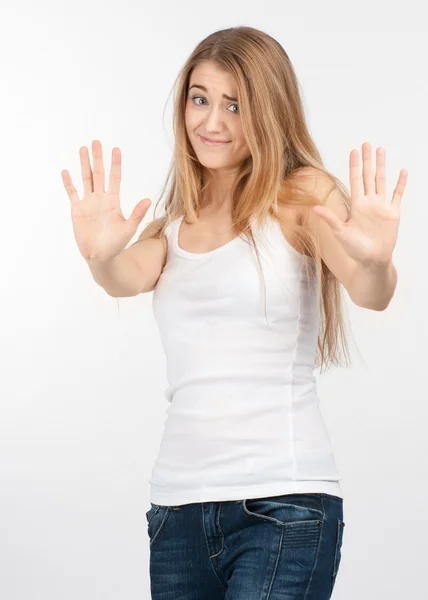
(285, 547)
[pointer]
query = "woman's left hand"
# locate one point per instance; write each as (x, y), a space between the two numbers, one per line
(370, 232)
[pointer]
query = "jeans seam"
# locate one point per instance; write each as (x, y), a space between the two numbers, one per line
(208, 549)
(318, 548)
(280, 549)
(222, 534)
(161, 525)
(339, 532)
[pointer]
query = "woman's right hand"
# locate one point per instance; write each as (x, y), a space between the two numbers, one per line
(100, 229)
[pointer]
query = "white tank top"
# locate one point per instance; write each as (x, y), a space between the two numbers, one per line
(243, 419)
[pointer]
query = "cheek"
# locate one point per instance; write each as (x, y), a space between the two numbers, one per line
(191, 123)
(239, 136)
(241, 141)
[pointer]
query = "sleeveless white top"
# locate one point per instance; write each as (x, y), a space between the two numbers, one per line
(243, 419)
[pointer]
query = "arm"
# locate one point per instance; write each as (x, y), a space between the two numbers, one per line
(120, 276)
(136, 269)
(368, 287)
(373, 286)
(357, 247)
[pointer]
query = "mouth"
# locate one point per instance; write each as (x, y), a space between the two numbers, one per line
(210, 142)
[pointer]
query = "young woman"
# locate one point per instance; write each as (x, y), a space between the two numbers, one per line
(247, 267)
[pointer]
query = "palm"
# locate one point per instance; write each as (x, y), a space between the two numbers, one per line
(100, 229)
(99, 218)
(370, 233)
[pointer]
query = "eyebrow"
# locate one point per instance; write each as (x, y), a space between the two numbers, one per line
(203, 88)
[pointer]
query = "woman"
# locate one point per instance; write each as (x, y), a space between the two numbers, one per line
(245, 494)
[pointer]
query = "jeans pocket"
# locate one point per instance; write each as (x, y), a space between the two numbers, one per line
(151, 512)
(285, 509)
(338, 551)
(156, 518)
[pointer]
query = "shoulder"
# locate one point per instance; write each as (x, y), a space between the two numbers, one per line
(315, 182)
(310, 186)
(152, 229)
(290, 219)
(324, 190)
(319, 188)
(305, 181)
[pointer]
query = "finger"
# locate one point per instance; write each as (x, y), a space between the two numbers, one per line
(368, 176)
(99, 176)
(329, 217)
(69, 187)
(140, 210)
(399, 189)
(115, 172)
(380, 173)
(355, 175)
(85, 167)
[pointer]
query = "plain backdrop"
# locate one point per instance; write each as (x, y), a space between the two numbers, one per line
(83, 374)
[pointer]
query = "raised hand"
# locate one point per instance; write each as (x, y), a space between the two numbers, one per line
(100, 229)
(370, 233)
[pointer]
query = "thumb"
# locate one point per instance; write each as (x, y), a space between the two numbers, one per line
(328, 216)
(139, 211)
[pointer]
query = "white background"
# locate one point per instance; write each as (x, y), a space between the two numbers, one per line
(83, 375)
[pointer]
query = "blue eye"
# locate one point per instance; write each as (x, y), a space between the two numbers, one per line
(194, 97)
(202, 98)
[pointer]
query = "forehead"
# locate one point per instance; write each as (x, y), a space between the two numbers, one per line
(212, 77)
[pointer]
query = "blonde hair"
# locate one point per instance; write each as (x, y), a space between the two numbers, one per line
(281, 152)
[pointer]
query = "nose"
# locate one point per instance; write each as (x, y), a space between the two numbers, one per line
(213, 123)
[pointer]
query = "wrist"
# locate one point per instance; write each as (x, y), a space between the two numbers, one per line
(376, 266)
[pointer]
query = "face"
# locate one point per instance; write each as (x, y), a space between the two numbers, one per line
(210, 114)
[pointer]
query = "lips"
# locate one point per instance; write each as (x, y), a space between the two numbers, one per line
(211, 142)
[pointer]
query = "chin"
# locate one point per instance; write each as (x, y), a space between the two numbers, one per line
(213, 166)
(212, 163)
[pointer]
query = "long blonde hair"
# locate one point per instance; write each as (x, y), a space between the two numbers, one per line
(281, 150)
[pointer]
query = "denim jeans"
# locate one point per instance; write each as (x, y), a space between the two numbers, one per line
(285, 547)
